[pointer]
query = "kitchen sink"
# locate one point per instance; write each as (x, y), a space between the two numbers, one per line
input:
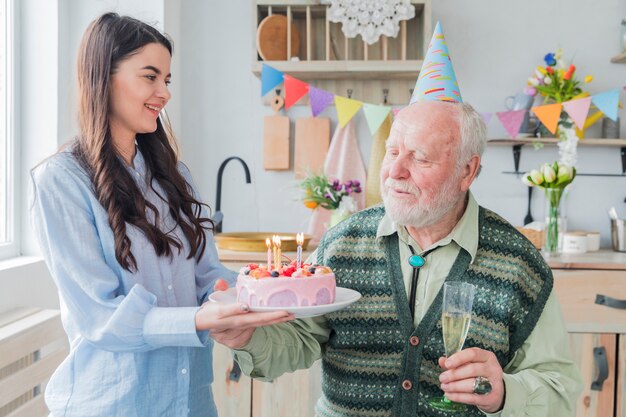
(255, 241)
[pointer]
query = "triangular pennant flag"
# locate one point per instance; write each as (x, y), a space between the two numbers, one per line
(346, 109)
(437, 81)
(607, 103)
(486, 117)
(512, 120)
(294, 90)
(270, 78)
(549, 115)
(375, 115)
(396, 111)
(319, 100)
(578, 110)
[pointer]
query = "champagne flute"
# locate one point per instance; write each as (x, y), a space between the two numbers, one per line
(456, 315)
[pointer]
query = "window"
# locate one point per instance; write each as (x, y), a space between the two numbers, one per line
(8, 154)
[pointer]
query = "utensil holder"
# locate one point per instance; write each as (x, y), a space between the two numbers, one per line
(618, 235)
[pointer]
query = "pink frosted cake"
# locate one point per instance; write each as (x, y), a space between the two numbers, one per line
(310, 285)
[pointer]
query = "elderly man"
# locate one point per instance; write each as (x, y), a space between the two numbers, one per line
(377, 360)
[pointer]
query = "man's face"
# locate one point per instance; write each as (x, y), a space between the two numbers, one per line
(420, 181)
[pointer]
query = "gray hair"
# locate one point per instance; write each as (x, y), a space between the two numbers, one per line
(473, 134)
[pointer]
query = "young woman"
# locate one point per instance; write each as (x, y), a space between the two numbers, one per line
(128, 244)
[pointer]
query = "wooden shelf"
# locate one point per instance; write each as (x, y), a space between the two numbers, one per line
(345, 70)
(517, 144)
(614, 143)
(619, 59)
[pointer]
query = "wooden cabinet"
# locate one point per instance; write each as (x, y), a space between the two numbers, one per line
(323, 56)
(597, 332)
(236, 395)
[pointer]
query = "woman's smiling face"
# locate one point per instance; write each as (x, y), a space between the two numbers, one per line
(139, 91)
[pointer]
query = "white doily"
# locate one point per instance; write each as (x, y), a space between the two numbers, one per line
(370, 18)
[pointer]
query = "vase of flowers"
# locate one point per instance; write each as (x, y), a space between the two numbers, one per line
(552, 178)
(322, 192)
(557, 83)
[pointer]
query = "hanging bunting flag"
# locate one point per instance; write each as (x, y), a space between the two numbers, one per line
(294, 90)
(396, 111)
(375, 115)
(549, 115)
(270, 78)
(512, 120)
(607, 103)
(346, 109)
(319, 99)
(486, 117)
(578, 110)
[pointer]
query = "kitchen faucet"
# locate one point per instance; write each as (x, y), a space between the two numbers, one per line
(219, 216)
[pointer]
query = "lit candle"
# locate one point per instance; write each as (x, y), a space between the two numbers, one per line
(275, 249)
(269, 253)
(300, 241)
(278, 255)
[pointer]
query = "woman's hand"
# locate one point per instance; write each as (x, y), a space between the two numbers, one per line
(233, 325)
(218, 317)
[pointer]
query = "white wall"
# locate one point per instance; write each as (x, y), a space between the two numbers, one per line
(495, 45)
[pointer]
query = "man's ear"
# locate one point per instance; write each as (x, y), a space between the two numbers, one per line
(469, 172)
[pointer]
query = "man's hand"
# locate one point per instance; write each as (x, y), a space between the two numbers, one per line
(233, 338)
(461, 370)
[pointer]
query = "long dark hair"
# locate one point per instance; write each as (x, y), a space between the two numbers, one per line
(109, 40)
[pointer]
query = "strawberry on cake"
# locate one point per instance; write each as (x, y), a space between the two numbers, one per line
(286, 286)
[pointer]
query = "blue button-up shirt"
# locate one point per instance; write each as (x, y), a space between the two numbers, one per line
(134, 349)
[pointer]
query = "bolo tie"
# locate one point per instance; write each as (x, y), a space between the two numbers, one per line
(416, 262)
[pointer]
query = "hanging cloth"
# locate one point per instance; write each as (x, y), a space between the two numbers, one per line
(372, 187)
(344, 162)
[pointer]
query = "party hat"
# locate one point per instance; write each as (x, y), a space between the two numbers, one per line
(437, 81)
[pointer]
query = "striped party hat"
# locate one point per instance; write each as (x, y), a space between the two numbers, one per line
(436, 81)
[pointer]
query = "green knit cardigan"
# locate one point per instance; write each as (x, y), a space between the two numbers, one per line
(368, 355)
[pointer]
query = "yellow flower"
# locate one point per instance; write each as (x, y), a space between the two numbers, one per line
(588, 79)
(310, 204)
(541, 70)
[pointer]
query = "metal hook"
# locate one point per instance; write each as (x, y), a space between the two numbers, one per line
(349, 91)
(277, 91)
(385, 94)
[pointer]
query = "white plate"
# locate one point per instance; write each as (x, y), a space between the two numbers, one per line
(343, 298)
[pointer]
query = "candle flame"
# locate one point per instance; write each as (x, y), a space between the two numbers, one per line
(300, 239)
(268, 243)
(278, 242)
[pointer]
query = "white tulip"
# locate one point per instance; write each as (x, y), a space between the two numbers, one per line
(548, 173)
(526, 181)
(536, 177)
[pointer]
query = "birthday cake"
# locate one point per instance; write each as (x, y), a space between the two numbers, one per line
(286, 286)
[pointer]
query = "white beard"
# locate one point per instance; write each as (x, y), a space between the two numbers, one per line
(418, 214)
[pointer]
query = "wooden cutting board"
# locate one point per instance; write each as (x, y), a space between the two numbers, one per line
(271, 38)
(311, 143)
(276, 139)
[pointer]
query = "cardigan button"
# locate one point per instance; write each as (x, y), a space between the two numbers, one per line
(407, 384)
(414, 340)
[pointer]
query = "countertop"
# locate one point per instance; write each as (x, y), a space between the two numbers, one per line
(603, 259)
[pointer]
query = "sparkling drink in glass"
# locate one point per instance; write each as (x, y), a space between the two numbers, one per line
(456, 315)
